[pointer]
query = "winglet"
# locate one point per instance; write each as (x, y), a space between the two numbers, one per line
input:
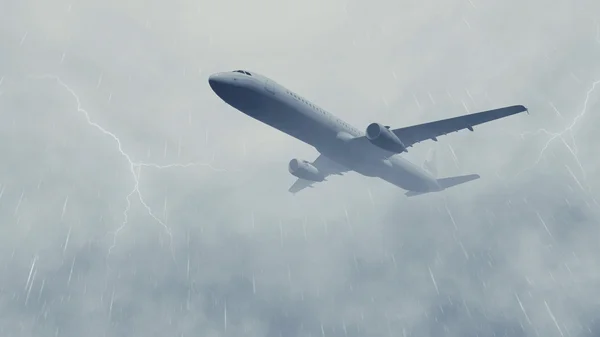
(522, 108)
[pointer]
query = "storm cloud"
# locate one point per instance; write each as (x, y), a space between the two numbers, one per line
(134, 202)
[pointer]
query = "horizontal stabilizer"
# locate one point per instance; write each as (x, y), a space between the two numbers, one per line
(413, 193)
(453, 181)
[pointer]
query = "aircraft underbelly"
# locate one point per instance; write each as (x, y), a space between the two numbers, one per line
(407, 176)
(294, 123)
(408, 181)
(397, 172)
(366, 161)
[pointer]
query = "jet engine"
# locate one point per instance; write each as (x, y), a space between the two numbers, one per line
(382, 137)
(305, 170)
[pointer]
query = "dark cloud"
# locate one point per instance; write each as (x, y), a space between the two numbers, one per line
(223, 249)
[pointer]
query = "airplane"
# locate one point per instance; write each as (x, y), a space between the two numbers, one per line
(342, 148)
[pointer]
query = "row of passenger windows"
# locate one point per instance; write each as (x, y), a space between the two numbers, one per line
(306, 102)
(323, 112)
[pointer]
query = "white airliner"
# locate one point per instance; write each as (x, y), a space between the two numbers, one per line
(343, 148)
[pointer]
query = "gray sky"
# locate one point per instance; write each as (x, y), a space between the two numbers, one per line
(224, 250)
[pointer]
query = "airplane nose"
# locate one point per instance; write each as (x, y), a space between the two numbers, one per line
(216, 81)
(223, 84)
(233, 90)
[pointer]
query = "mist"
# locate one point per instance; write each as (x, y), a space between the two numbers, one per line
(134, 202)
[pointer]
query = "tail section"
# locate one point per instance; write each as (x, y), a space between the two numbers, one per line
(413, 193)
(430, 164)
(453, 181)
(447, 183)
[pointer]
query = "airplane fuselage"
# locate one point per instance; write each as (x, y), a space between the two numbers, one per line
(263, 99)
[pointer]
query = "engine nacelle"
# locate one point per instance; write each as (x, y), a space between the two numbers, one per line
(382, 137)
(304, 170)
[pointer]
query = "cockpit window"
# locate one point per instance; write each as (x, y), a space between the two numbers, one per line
(242, 72)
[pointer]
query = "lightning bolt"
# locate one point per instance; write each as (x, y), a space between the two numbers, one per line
(568, 129)
(134, 167)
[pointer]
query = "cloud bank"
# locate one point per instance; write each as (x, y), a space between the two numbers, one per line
(103, 236)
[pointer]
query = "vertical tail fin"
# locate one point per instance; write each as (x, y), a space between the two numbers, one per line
(430, 164)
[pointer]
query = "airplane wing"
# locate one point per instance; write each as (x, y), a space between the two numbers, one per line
(324, 165)
(418, 133)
